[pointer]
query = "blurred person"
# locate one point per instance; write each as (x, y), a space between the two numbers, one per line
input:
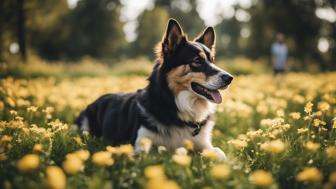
(279, 53)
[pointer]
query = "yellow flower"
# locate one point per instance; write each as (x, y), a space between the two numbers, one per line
(254, 134)
(309, 174)
(261, 178)
(78, 140)
(38, 148)
(2, 105)
(3, 157)
(316, 122)
(295, 115)
(280, 113)
(181, 151)
(311, 146)
(302, 130)
(274, 133)
(318, 113)
(102, 158)
(19, 118)
(82, 154)
(126, 149)
(334, 124)
(13, 112)
(155, 172)
(48, 110)
(6, 138)
(10, 101)
(332, 177)
(183, 160)
(162, 184)
(7, 184)
(32, 109)
(308, 107)
(145, 144)
(111, 149)
(9, 146)
(275, 146)
(331, 152)
(29, 162)
(188, 144)
(220, 171)
(210, 154)
(55, 177)
(162, 149)
(323, 106)
(72, 164)
(239, 144)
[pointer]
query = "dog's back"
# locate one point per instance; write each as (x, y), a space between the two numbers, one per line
(112, 116)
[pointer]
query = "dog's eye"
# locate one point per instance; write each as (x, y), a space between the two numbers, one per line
(196, 62)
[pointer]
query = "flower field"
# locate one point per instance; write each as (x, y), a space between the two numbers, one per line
(276, 133)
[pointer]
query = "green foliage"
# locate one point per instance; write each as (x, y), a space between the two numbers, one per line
(151, 27)
(91, 28)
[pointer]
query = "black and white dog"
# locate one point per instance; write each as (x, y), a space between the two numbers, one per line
(178, 103)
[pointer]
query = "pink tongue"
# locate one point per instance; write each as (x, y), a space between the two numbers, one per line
(217, 98)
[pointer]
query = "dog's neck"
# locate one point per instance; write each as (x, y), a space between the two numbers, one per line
(158, 100)
(192, 107)
(169, 109)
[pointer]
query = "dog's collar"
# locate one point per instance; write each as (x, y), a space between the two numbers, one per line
(197, 126)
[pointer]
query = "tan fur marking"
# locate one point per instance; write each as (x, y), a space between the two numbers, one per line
(201, 104)
(195, 64)
(202, 55)
(180, 78)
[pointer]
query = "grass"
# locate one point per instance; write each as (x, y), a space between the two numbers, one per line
(88, 67)
(276, 132)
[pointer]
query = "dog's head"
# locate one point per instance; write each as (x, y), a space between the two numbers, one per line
(190, 65)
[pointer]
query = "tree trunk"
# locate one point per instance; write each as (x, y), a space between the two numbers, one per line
(21, 29)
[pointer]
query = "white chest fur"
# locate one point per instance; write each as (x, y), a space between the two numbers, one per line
(193, 108)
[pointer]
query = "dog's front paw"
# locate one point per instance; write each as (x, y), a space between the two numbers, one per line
(220, 154)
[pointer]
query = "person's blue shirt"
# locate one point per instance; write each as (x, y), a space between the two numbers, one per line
(279, 52)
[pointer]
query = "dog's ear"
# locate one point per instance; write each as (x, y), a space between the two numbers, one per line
(208, 38)
(172, 37)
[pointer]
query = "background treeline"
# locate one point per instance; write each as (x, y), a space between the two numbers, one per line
(53, 31)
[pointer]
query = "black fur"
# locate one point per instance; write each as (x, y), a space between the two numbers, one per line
(113, 117)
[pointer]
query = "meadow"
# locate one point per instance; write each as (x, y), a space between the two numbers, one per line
(277, 132)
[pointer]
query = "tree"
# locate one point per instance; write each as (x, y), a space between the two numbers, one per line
(21, 30)
(44, 17)
(152, 24)
(330, 33)
(8, 27)
(228, 38)
(92, 28)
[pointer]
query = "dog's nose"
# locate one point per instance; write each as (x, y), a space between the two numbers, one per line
(226, 78)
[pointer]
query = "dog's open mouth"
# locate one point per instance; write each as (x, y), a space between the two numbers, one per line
(212, 95)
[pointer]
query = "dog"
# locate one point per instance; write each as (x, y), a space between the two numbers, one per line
(178, 104)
